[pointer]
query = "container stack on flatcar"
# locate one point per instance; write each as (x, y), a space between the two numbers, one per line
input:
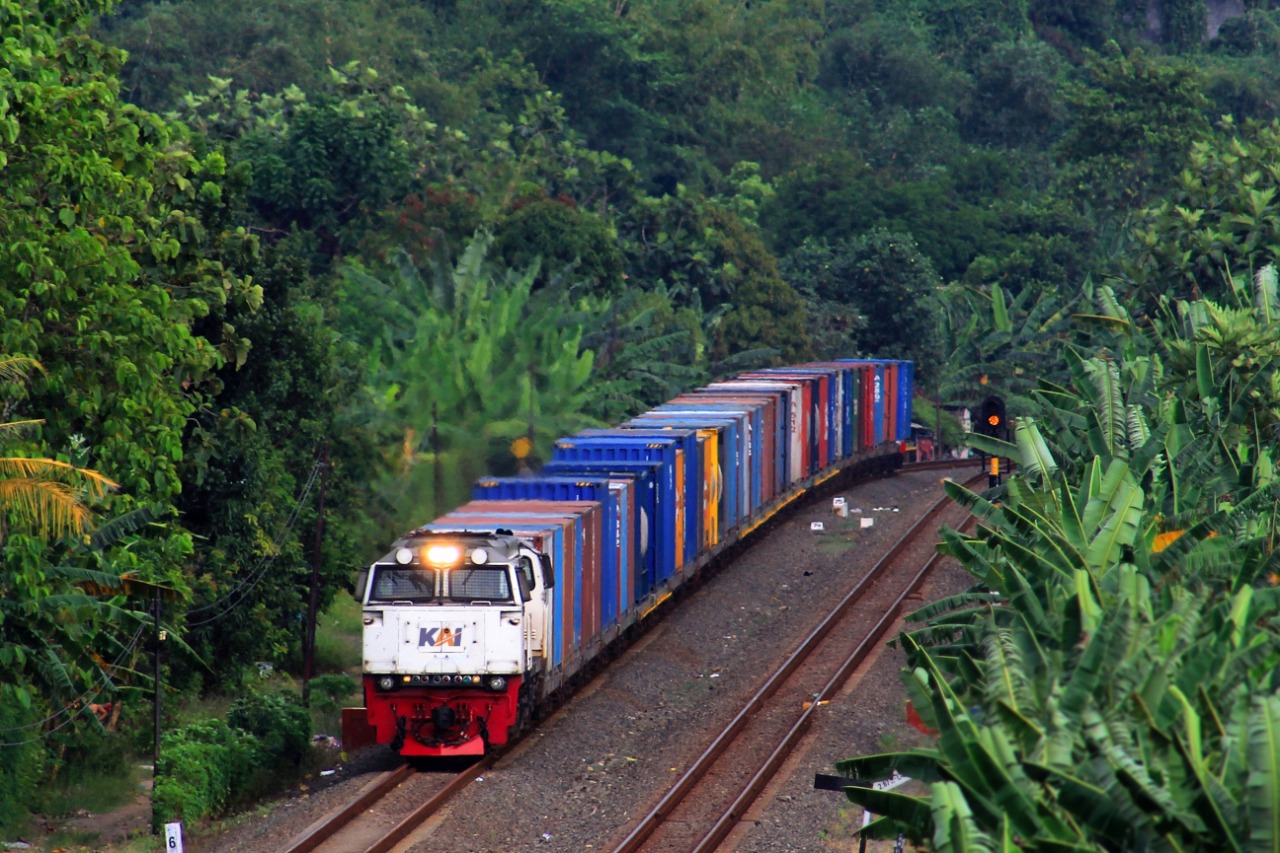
(476, 618)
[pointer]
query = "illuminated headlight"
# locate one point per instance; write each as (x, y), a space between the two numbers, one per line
(497, 683)
(386, 682)
(479, 555)
(443, 555)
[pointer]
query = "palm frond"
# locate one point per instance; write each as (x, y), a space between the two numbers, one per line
(16, 368)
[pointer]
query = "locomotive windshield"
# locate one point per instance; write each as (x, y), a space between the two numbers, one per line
(422, 585)
(480, 584)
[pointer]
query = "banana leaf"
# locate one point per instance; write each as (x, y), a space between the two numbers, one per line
(1264, 775)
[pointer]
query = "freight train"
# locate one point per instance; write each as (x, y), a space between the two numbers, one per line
(474, 621)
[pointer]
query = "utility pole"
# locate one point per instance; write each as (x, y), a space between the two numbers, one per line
(313, 603)
(156, 637)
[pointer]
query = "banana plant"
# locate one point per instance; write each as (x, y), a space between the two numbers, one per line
(1109, 683)
(475, 360)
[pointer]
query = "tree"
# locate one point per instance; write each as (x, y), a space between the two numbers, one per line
(58, 625)
(1015, 98)
(708, 258)
(313, 172)
(888, 62)
(1102, 686)
(565, 239)
(102, 257)
(1132, 123)
(174, 47)
(1221, 218)
(816, 270)
(254, 466)
(47, 497)
(879, 285)
(461, 362)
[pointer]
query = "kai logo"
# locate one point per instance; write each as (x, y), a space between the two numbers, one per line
(442, 637)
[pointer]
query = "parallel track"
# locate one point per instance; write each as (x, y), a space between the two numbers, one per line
(698, 798)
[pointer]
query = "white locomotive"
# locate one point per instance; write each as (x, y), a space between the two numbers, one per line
(454, 631)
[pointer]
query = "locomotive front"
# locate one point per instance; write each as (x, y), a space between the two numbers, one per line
(453, 629)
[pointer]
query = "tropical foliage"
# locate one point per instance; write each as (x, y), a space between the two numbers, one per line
(445, 415)
(295, 272)
(1109, 682)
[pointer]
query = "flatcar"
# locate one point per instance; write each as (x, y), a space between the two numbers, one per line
(474, 620)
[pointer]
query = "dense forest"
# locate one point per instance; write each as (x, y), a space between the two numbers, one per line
(283, 278)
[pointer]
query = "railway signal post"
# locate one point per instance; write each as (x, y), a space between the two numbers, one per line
(992, 421)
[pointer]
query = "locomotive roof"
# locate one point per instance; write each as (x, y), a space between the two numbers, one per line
(502, 546)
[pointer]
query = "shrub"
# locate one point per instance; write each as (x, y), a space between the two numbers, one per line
(202, 766)
(328, 694)
(281, 726)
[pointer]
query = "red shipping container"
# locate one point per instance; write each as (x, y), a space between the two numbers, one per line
(593, 535)
(566, 589)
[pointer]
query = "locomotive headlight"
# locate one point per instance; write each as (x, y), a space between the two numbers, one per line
(479, 555)
(497, 684)
(386, 682)
(404, 556)
(443, 555)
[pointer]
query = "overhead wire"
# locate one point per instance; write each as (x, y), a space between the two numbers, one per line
(75, 707)
(241, 590)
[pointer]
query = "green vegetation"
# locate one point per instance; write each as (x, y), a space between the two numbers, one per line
(210, 766)
(1110, 682)
(355, 249)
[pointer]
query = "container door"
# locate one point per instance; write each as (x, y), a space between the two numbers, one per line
(681, 508)
(712, 486)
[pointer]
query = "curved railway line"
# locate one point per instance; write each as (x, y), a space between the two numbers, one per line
(710, 794)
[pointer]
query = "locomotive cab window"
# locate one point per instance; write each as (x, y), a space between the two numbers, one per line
(525, 565)
(480, 583)
(524, 579)
(401, 583)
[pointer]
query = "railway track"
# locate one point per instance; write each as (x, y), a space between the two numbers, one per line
(385, 811)
(708, 802)
(944, 464)
(395, 804)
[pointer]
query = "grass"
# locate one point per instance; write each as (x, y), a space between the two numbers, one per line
(97, 778)
(338, 633)
(98, 787)
(840, 535)
(92, 790)
(338, 652)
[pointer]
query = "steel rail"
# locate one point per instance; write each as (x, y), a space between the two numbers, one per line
(326, 827)
(733, 815)
(419, 815)
(658, 814)
(944, 464)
